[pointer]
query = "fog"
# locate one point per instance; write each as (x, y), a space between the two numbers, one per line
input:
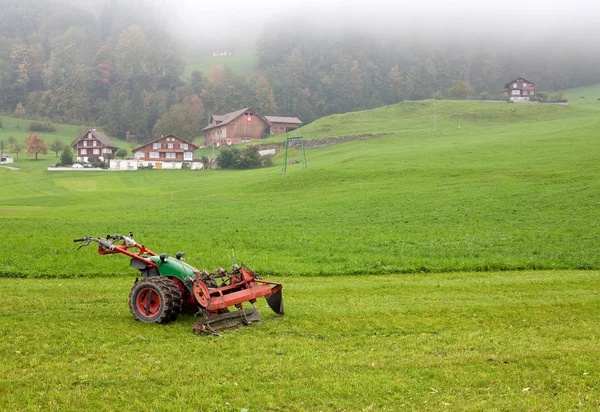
(236, 23)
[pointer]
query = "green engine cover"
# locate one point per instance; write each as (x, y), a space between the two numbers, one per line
(173, 268)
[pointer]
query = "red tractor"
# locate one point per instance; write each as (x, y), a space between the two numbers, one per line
(169, 285)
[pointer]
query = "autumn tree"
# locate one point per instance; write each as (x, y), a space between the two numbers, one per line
(19, 111)
(56, 146)
(264, 97)
(35, 145)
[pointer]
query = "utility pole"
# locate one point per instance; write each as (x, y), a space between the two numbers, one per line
(433, 115)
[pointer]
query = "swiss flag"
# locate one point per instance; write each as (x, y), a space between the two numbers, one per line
(249, 118)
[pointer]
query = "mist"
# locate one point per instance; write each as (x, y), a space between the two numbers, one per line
(236, 24)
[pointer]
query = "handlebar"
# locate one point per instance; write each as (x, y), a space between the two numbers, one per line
(107, 244)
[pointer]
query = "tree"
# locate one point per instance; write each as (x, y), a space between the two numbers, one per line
(12, 141)
(56, 146)
(66, 157)
(183, 120)
(18, 148)
(460, 90)
(2, 146)
(264, 95)
(35, 145)
(121, 153)
(394, 85)
(19, 111)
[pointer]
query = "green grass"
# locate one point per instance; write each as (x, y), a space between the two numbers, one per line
(493, 195)
(390, 215)
(19, 128)
(460, 341)
(243, 63)
(590, 94)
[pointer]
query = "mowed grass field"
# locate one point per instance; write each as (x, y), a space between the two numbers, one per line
(454, 269)
(495, 195)
(459, 341)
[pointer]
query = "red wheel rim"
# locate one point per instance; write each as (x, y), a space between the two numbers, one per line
(147, 302)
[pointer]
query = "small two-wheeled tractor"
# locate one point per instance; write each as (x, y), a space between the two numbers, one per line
(169, 285)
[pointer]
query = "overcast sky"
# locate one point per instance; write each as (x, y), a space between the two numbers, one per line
(217, 21)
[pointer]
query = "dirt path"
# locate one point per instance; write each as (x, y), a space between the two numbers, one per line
(11, 168)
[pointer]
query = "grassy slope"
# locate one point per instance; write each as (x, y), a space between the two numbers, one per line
(19, 128)
(460, 341)
(509, 190)
(244, 63)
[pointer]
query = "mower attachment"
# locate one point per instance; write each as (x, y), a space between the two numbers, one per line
(169, 285)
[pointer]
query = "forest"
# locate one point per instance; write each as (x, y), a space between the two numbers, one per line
(115, 65)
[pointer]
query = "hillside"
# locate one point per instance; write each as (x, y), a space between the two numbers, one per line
(244, 63)
(493, 194)
(414, 116)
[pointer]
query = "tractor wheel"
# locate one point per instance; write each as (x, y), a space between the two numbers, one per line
(155, 300)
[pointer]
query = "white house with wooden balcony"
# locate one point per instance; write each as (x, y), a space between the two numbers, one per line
(167, 152)
(94, 144)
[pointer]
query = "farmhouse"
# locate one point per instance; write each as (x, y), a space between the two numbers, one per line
(166, 152)
(519, 89)
(94, 144)
(244, 126)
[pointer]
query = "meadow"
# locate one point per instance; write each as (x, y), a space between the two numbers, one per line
(243, 63)
(454, 268)
(455, 341)
(492, 195)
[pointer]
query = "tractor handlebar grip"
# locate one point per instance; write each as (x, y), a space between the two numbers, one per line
(79, 239)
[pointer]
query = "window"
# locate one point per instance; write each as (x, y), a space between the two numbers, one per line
(96, 151)
(94, 143)
(156, 145)
(139, 155)
(83, 151)
(183, 146)
(154, 155)
(85, 143)
(187, 155)
(170, 155)
(515, 85)
(516, 92)
(531, 92)
(108, 151)
(525, 93)
(170, 146)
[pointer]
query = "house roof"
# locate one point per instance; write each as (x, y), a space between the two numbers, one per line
(507, 85)
(229, 117)
(195, 147)
(280, 119)
(98, 135)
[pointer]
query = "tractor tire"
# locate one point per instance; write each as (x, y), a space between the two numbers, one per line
(155, 300)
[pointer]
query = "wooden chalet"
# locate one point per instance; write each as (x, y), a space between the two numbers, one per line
(280, 125)
(94, 144)
(168, 152)
(519, 89)
(244, 126)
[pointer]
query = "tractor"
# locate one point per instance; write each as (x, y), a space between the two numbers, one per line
(169, 285)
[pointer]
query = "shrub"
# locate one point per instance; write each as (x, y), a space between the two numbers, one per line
(66, 157)
(46, 127)
(234, 158)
